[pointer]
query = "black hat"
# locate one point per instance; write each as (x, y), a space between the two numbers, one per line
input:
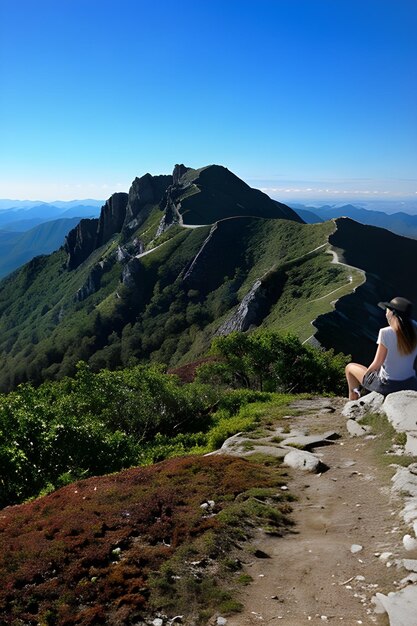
(402, 306)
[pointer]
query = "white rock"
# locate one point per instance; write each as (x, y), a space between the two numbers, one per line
(405, 480)
(355, 547)
(302, 460)
(311, 441)
(400, 606)
(379, 607)
(158, 622)
(411, 443)
(355, 429)
(409, 564)
(356, 409)
(409, 542)
(401, 410)
(221, 621)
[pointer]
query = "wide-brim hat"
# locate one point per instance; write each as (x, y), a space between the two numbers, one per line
(399, 305)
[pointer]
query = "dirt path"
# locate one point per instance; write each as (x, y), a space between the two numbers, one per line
(312, 576)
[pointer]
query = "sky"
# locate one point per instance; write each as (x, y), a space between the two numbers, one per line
(301, 98)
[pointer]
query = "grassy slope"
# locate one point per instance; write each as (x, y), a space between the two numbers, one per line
(388, 261)
(44, 331)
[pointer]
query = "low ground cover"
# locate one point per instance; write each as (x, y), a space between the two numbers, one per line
(165, 538)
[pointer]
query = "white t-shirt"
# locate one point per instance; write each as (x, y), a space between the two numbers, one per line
(396, 366)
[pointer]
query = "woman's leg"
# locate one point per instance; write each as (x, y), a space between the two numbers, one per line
(354, 376)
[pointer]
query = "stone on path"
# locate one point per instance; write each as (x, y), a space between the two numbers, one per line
(400, 606)
(355, 429)
(302, 460)
(311, 441)
(356, 409)
(401, 410)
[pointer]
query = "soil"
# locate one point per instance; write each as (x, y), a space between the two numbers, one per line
(311, 575)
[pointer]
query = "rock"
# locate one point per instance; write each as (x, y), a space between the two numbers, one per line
(357, 409)
(92, 283)
(311, 441)
(130, 272)
(246, 313)
(405, 480)
(355, 547)
(221, 621)
(409, 542)
(158, 622)
(401, 410)
(144, 192)
(355, 429)
(409, 564)
(111, 218)
(81, 242)
(400, 606)
(302, 460)
(411, 443)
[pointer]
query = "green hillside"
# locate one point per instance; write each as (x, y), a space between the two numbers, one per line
(18, 248)
(139, 285)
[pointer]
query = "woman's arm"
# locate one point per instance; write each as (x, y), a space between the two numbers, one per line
(379, 358)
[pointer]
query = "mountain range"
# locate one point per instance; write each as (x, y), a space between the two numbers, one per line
(182, 258)
(400, 223)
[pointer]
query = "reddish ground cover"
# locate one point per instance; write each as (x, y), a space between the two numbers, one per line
(86, 553)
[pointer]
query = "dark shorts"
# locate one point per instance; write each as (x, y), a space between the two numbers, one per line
(372, 382)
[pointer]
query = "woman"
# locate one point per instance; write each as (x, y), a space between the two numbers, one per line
(393, 366)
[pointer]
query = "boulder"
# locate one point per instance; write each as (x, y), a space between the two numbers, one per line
(405, 480)
(355, 429)
(400, 606)
(302, 460)
(401, 410)
(357, 409)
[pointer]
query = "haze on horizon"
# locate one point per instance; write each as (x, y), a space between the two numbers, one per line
(304, 100)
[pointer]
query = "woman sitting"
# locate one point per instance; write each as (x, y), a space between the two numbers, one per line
(393, 366)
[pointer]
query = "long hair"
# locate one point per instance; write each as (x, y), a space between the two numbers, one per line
(406, 333)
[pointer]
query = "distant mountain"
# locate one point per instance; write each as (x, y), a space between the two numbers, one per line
(400, 223)
(21, 219)
(61, 204)
(17, 248)
(184, 257)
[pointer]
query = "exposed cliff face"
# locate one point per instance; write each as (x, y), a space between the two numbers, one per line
(145, 191)
(112, 217)
(247, 313)
(92, 284)
(81, 242)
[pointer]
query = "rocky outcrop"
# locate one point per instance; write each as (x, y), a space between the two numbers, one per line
(92, 284)
(247, 313)
(130, 273)
(144, 192)
(111, 218)
(81, 242)
(171, 203)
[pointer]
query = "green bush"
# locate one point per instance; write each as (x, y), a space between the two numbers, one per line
(269, 361)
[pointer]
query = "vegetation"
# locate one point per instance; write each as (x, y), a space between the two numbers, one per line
(113, 550)
(161, 316)
(274, 362)
(106, 421)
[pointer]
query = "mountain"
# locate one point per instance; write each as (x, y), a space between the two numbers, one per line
(21, 219)
(180, 259)
(400, 223)
(388, 261)
(17, 248)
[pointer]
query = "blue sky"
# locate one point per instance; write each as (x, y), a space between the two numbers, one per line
(302, 98)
